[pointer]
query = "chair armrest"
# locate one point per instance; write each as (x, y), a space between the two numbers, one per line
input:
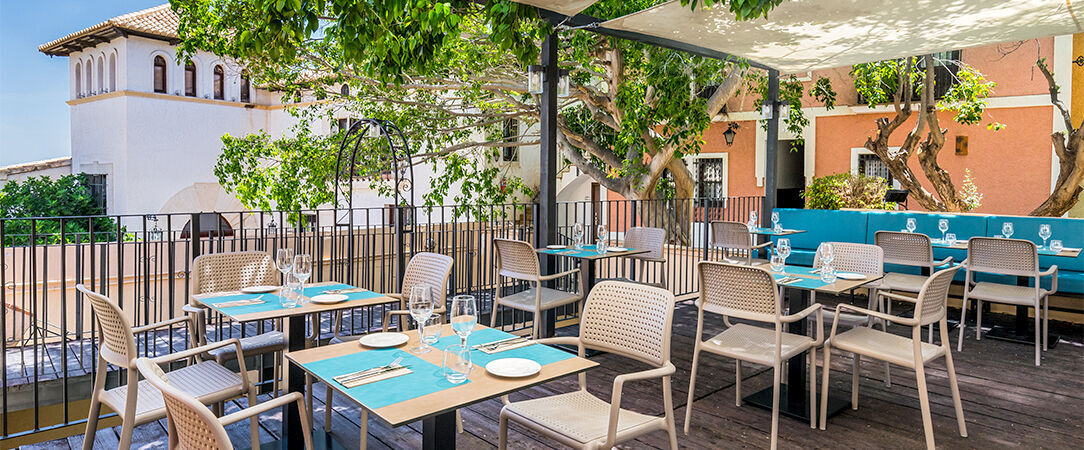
(872, 313)
(263, 407)
(560, 340)
(899, 297)
(619, 385)
(558, 275)
(196, 351)
(759, 246)
(194, 309)
(943, 262)
(1053, 273)
(387, 319)
(801, 314)
(161, 324)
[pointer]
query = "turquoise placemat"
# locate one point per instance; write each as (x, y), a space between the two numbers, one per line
(317, 290)
(426, 378)
(273, 302)
(805, 283)
(542, 354)
(588, 251)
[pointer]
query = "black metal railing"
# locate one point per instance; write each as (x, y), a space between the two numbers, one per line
(143, 263)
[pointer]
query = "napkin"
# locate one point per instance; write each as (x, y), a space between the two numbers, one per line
(245, 302)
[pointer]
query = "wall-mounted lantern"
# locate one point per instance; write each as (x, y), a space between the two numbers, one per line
(729, 134)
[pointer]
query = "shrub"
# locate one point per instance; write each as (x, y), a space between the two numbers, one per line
(846, 190)
(65, 196)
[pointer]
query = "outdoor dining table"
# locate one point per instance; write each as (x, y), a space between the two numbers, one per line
(769, 233)
(1021, 332)
(795, 402)
(424, 394)
(295, 330)
(587, 255)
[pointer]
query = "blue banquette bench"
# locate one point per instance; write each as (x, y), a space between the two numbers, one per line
(861, 226)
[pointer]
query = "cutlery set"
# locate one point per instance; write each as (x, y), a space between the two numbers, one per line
(361, 377)
(246, 302)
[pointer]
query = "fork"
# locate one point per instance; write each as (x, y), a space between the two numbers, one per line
(364, 373)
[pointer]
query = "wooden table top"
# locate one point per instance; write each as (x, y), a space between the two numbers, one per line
(772, 232)
(307, 308)
(593, 254)
(482, 386)
(838, 287)
(962, 245)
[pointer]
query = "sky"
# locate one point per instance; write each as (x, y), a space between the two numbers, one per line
(34, 118)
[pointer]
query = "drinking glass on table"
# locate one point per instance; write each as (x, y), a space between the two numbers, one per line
(1006, 230)
(782, 247)
(776, 263)
(1044, 232)
(911, 225)
(950, 239)
(284, 260)
(421, 307)
(775, 222)
(457, 363)
(464, 316)
(290, 295)
(302, 270)
(943, 226)
(432, 333)
(577, 236)
(826, 254)
(752, 223)
(1056, 246)
(828, 274)
(600, 244)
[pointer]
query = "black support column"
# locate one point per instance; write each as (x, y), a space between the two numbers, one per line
(771, 148)
(547, 167)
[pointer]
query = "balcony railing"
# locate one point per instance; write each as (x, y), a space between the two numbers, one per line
(143, 261)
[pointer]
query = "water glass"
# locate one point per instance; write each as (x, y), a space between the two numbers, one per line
(911, 225)
(600, 243)
(457, 363)
(433, 331)
(1056, 246)
(290, 295)
(302, 270)
(828, 274)
(464, 316)
(577, 235)
(776, 263)
(943, 226)
(1006, 230)
(775, 221)
(950, 239)
(752, 220)
(1044, 232)
(284, 260)
(421, 308)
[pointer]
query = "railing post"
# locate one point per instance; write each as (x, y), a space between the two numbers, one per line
(193, 234)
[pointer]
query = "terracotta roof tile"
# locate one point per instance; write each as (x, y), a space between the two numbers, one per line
(159, 21)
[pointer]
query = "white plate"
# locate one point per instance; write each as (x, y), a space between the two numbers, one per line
(850, 276)
(555, 246)
(259, 289)
(513, 367)
(380, 340)
(327, 299)
(617, 249)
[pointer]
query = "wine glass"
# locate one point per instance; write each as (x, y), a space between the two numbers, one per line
(577, 235)
(911, 225)
(775, 222)
(943, 226)
(1044, 232)
(600, 244)
(783, 248)
(1006, 230)
(464, 314)
(302, 270)
(752, 220)
(421, 307)
(826, 254)
(284, 260)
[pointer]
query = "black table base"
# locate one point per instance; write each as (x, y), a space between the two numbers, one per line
(1003, 333)
(291, 424)
(795, 404)
(320, 441)
(438, 432)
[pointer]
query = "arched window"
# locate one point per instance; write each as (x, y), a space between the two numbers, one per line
(345, 90)
(78, 80)
(159, 74)
(220, 83)
(190, 79)
(245, 86)
(89, 68)
(112, 72)
(101, 75)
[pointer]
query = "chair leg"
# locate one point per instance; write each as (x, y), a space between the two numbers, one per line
(254, 422)
(126, 431)
(458, 422)
(692, 388)
(955, 394)
(92, 421)
(1046, 322)
(856, 366)
(668, 403)
(364, 427)
(1038, 336)
(824, 384)
(737, 382)
(277, 374)
(963, 322)
(924, 403)
(813, 387)
(308, 393)
(776, 372)
(978, 320)
(888, 369)
(492, 316)
(502, 434)
(328, 398)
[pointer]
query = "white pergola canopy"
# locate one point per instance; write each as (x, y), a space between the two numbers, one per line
(802, 35)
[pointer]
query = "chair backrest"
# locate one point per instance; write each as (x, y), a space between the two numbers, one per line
(930, 306)
(231, 271)
(746, 292)
(646, 238)
(853, 257)
(117, 342)
(629, 319)
(907, 249)
(516, 259)
(731, 235)
(191, 424)
(430, 270)
(1002, 256)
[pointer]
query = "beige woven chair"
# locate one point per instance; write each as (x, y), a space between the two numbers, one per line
(908, 352)
(424, 269)
(138, 402)
(627, 319)
(192, 426)
(231, 271)
(1007, 257)
(750, 293)
(907, 249)
(653, 240)
(735, 236)
(518, 260)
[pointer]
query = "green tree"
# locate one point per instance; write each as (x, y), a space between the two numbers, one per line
(43, 196)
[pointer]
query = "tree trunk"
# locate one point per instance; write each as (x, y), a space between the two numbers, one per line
(1067, 188)
(671, 214)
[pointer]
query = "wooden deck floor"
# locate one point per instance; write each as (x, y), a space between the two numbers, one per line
(1007, 402)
